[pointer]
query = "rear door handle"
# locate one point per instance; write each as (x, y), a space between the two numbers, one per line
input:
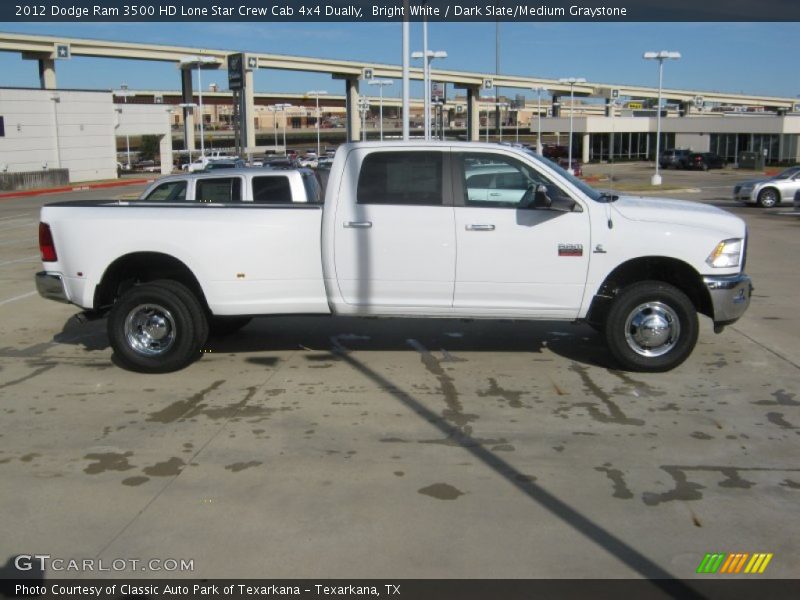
(480, 227)
(358, 224)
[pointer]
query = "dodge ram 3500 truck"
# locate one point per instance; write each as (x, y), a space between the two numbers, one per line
(407, 229)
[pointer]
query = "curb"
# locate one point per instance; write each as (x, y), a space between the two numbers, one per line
(74, 188)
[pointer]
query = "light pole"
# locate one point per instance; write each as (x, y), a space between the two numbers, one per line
(406, 77)
(317, 94)
(274, 111)
(199, 61)
(363, 108)
(123, 91)
(381, 83)
(282, 108)
(571, 81)
(430, 56)
(660, 57)
(539, 91)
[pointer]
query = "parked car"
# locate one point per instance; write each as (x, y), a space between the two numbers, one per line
(309, 161)
(214, 165)
(148, 166)
(705, 161)
(259, 186)
(559, 155)
(771, 191)
(674, 158)
(281, 163)
(382, 245)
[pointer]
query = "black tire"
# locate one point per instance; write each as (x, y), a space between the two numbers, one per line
(222, 326)
(153, 328)
(768, 197)
(644, 314)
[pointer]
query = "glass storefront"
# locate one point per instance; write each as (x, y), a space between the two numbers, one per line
(627, 145)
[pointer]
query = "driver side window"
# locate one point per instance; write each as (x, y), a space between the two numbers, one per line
(497, 181)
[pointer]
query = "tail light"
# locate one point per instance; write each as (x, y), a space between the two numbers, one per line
(46, 245)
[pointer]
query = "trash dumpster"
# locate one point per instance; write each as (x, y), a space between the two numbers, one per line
(752, 160)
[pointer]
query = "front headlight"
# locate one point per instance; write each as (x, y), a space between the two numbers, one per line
(727, 254)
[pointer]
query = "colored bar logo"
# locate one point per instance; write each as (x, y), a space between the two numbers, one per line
(735, 563)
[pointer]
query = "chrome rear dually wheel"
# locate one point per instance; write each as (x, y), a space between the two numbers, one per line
(157, 327)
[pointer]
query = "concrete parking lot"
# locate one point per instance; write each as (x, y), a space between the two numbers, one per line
(316, 447)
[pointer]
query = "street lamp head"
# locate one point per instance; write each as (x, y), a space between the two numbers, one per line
(316, 93)
(572, 80)
(662, 55)
(380, 82)
(431, 54)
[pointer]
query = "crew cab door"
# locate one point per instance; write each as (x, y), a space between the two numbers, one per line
(513, 258)
(394, 238)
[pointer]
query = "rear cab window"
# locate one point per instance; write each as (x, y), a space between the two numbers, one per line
(413, 178)
(272, 189)
(219, 190)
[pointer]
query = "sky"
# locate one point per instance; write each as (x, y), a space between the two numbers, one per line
(751, 58)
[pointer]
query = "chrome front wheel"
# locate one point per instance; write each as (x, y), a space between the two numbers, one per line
(652, 329)
(651, 326)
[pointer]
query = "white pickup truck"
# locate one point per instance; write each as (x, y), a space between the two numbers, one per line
(407, 229)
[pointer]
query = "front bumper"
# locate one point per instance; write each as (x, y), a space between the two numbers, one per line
(51, 286)
(730, 296)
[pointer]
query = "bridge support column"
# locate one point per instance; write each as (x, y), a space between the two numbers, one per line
(687, 109)
(473, 114)
(47, 73)
(353, 116)
(247, 112)
(188, 112)
(556, 106)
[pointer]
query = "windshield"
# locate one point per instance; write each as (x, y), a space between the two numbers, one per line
(578, 183)
(788, 173)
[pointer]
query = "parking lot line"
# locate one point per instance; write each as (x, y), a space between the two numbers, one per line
(15, 216)
(15, 298)
(20, 260)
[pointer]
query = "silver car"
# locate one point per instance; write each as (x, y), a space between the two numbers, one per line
(769, 192)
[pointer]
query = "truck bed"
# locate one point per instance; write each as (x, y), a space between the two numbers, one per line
(249, 258)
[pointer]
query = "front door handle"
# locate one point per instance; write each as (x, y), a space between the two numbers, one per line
(480, 227)
(358, 224)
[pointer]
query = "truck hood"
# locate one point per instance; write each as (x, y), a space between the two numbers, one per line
(679, 212)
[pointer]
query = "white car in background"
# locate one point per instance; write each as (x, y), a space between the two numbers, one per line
(308, 161)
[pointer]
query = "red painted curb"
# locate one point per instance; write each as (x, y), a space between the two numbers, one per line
(74, 188)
